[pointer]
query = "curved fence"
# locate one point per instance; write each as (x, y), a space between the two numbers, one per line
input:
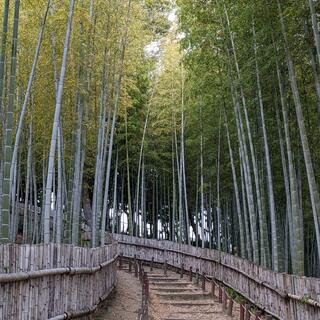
(54, 281)
(284, 296)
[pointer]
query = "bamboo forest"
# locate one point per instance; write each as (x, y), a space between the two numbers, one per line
(160, 159)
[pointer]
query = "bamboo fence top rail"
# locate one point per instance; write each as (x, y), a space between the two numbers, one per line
(21, 276)
(283, 295)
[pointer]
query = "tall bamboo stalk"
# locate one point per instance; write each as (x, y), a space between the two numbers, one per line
(274, 235)
(56, 121)
(115, 109)
(313, 188)
(5, 213)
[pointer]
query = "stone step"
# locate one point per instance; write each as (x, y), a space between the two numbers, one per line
(172, 289)
(183, 295)
(193, 313)
(153, 274)
(188, 303)
(171, 283)
(159, 278)
(174, 318)
(192, 316)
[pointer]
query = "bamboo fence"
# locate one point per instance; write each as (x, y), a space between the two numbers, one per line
(54, 281)
(284, 296)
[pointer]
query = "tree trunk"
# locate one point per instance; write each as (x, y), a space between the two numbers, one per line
(50, 174)
(115, 111)
(295, 221)
(236, 192)
(274, 235)
(5, 213)
(201, 183)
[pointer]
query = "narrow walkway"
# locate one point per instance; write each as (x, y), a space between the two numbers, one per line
(125, 302)
(173, 298)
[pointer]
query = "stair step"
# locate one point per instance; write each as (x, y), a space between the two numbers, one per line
(172, 289)
(184, 295)
(193, 313)
(174, 319)
(171, 283)
(157, 278)
(188, 303)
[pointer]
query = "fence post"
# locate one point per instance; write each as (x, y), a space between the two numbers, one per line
(220, 294)
(120, 260)
(203, 281)
(135, 269)
(140, 271)
(165, 268)
(287, 288)
(146, 283)
(181, 271)
(151, 265)
(190, 274)
(213, 288)
(247, 312)
(224, 299)
(242, 309)
(197, 277)
(130, 266)
(230, 307)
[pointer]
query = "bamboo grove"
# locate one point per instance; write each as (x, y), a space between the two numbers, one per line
(192, 121)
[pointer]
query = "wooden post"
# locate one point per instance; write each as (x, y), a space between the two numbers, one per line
(140, 271)
(165, 268)
(220, 294)
(190, 274)
(151, 265)
(130, 266)
(287, 288)
(247, 312)
(143, 302)
(135, 259)
(136, 269)
(197, 277)
(242, 310)
(146, 284)
(203, 281)
(181, 271)
(213, 288)
(224, 299)
(120, 260)
(230, 307)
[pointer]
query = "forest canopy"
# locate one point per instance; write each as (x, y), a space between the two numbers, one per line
(192, 121)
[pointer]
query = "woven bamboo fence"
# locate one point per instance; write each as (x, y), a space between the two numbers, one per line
(284, 296)
(54, 281)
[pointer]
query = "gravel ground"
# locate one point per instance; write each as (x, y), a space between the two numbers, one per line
(125, 302)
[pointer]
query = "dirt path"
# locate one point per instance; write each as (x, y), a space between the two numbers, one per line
(125, 302)
(171, 298)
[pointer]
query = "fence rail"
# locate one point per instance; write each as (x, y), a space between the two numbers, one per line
(54, 281)
(284, 296)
